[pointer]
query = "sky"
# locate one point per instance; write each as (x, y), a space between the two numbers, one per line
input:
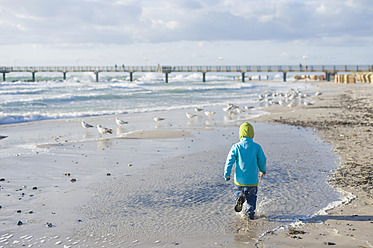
(185, 32)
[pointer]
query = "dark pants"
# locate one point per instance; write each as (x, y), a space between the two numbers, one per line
(250, 194)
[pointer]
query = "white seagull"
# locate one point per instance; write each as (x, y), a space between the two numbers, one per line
(209, 114)
(190, 116)
(103, 130)
(86, 125)
(198, 109)
(158, 119)
(240, 110)
(120, 122)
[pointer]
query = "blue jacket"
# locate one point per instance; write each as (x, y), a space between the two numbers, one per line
(249, 158)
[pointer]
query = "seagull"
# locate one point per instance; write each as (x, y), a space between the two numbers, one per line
(209, 114)
(317, 93)
(102, 130)
(190, 116)
(158, 119)
(240, 110)
(248, 107)
(120, 122)
(86, 125)
(198, 109)
(230, 106)
(3, 137)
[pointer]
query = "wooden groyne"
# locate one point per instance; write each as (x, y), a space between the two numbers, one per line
(327, 70)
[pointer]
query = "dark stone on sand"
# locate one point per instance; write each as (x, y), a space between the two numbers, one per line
(329, 243)
(108, 174)
(19, 211)
(19, 223)
(35, 188)
(49, 224)
(2, 179)
(296, 237)
(67, 174)
(73, 180)
(293, 231)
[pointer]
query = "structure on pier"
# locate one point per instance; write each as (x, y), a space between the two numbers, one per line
(328, 70)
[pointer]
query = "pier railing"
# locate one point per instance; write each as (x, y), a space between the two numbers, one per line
(327, 69)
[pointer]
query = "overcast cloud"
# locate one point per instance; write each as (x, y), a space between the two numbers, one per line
(101, 24)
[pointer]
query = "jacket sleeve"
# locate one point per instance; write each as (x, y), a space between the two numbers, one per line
(231, 159)
(262, 161)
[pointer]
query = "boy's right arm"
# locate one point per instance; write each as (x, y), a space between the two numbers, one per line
(231, 159)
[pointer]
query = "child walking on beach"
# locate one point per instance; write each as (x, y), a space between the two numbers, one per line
(250, 162)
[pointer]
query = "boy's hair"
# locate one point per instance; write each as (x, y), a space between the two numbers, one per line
(246, 130)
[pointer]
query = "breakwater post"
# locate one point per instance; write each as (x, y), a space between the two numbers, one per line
(33, 76)
(166, 70)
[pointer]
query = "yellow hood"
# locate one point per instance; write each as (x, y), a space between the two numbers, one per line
(246, 130)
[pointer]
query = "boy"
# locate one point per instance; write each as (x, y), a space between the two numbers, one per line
(250, 160)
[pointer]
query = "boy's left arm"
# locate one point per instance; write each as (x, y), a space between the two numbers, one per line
(262, 161)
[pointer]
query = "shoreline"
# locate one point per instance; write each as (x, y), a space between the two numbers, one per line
(342, 117)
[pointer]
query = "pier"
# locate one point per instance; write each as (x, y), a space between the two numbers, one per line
(327, 70)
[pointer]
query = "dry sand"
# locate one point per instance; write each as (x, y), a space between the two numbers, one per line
(342, 116)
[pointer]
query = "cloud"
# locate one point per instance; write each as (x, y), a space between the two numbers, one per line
(129, 21)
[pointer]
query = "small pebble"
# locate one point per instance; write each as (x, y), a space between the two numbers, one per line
(129, 165)
(19, 223)
(329, 243)
(49, 224)
(35, 188)
(73, 180)
(108, 174)
(2, 179)
(19, 211)
(67, 174)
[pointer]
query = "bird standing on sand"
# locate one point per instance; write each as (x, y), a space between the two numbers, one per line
(190, 116)
(103, 130)
(209, 114)
(86, 125)
(120, 122)
(198, 109)
(158, 119)
(240, 110)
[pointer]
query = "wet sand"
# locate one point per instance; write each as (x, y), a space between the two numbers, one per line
(121, 191)
(342, 116)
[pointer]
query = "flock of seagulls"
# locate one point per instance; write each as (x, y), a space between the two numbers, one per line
(104, 130)
(290, 99)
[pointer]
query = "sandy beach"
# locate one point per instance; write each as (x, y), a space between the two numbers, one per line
(160, 184)
(342, 116)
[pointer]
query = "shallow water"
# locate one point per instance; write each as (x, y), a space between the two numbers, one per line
(183, 199)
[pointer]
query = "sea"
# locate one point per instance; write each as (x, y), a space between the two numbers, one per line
(80, 96)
